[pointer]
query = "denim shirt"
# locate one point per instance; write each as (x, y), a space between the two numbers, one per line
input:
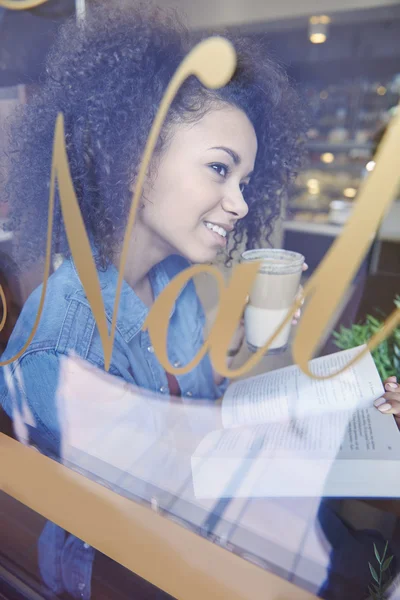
(67, 325)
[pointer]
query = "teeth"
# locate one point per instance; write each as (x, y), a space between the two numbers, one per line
(215, 228)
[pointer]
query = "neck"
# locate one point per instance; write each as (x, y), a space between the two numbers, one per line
(145, 250)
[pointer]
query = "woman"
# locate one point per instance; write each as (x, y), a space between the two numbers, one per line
(221, 164)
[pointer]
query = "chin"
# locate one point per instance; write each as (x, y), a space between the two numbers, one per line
(200, 256)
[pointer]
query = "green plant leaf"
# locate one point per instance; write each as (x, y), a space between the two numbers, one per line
(374, 321)
(378, 558)
(385, 550)
(386, 356)
(387, 562)
(373, 573)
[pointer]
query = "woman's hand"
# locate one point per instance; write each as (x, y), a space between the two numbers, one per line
(389, 403)
(297, 314)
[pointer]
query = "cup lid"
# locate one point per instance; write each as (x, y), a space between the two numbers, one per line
(274, 260)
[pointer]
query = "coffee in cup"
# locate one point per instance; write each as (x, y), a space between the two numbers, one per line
(271, 297)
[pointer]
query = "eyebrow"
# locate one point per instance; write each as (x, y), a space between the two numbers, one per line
(234, 155)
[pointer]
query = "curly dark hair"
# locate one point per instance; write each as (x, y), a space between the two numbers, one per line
(108, 77)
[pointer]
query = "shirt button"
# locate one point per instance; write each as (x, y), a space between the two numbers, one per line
(177, 364)
(150, 349)
(163, 389)
(81, 587)
(86, 546)
(189, 394)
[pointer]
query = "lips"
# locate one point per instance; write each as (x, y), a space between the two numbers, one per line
(218, 233)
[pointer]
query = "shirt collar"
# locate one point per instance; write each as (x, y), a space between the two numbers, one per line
(132, 311)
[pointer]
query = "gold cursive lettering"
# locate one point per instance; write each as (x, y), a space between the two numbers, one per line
(327, 287)
(59, 168)
(21, 4)
(231, 301)
(232, 298)
(4, 305)
(213, 61)
(343, 261)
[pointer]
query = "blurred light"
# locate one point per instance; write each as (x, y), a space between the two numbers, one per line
(312, 133)
(317, 38)
(318, 29)
(350, 192)
(327, 157)
(313, 186)
(324, 19)
(370, 166)
(381, 90)
(323, 95)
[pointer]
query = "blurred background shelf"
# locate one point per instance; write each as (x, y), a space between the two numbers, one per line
(327, 146)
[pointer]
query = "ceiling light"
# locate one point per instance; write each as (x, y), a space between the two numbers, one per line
(318, 29)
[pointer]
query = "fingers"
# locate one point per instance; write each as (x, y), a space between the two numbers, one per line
(389, 403)
(305, 266)
(392, 387)
(300, 294)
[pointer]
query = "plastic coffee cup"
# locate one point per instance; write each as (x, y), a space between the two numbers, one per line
(271, 297)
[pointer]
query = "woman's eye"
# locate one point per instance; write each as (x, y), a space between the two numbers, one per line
(243, 187)
(218, 167)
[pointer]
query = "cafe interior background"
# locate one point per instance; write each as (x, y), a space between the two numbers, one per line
(344, 57)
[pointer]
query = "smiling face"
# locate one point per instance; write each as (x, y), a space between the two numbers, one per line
(197, 195)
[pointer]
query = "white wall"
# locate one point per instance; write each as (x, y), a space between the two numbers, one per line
(209, 13)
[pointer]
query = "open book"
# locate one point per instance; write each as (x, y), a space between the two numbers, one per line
(286, 434)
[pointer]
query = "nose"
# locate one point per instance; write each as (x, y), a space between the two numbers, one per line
(233, 202)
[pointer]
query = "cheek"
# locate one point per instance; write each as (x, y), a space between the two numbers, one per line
(202, 195)
(182, 200)
(165, 212)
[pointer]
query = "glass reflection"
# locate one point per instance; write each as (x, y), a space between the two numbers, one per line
(261, 474)
(146, 455)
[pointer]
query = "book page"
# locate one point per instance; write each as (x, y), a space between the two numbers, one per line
(344, 453)
(288, 393)
(362, 434)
